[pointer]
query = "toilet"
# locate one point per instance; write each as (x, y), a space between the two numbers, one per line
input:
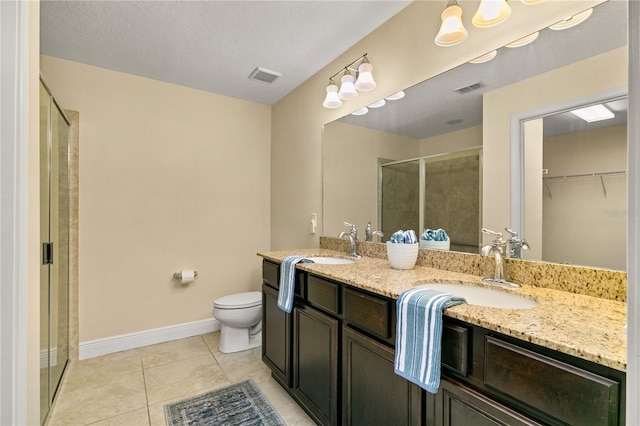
(241, 317)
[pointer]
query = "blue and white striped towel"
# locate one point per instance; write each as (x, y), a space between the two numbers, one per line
(288, 281)
(419, 335)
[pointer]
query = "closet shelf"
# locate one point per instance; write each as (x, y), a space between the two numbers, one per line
(616, 172)
(579, 175)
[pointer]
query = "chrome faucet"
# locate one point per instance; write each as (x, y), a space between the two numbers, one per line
(497, 248)
(370, 233)
(353, 239)
(516, 245)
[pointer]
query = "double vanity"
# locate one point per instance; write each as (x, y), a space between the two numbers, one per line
(544, 356)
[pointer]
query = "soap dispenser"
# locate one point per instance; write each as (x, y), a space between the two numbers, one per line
(368, 233)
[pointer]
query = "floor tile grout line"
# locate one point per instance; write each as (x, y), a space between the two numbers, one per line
(146, 393)
(176, 360)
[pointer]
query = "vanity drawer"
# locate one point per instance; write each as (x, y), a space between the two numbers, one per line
(271, 276)
(455, 348)
(564, 392)
(270, 273)
(323, 294)
(370, 313)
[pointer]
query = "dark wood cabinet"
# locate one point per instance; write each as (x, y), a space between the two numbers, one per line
(460, 405)
(372, 393)
(335, 355)
(277, 325)
(315, 363)
(276, 337)
(552, 390)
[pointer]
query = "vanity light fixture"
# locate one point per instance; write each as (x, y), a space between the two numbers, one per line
(395, 96)
(361, 111)
(593, 113)
(572, 21)
(365, 81)
(332, 100)
(347, 88)
(350, 85)
(452, 31)
(523, 41)
(378, 104)
(491, 13)
(484, 58)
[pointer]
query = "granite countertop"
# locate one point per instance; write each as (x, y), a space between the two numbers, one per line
(586, 327)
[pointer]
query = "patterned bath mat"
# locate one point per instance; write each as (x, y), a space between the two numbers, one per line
(235, 405)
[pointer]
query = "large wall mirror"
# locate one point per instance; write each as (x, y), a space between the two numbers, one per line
(444, 115)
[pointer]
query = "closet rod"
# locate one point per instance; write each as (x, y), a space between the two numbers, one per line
(617, 172)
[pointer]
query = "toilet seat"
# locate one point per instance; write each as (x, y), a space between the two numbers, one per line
(239, 300)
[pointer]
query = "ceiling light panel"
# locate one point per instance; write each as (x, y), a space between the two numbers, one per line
(594, 113)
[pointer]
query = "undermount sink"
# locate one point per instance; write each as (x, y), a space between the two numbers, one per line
(331, 260)
(483, 296)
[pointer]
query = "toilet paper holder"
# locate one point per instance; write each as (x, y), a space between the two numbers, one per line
(178, 275)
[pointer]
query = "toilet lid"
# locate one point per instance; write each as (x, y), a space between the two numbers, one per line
(239, 300)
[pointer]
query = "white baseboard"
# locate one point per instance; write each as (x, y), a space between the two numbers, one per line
(94, 348)
(44, 357)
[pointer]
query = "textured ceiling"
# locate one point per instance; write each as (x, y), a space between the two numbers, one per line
(211, 45)
(428, 107)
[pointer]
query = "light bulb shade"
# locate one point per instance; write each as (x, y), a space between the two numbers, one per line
(332, 100)
(347, 88)
(365, 80)
(361, 111)
(452, 31)
(572, 21)
(395, 96)
(484, 58)
(523, 41)
(491, 13)
(377, 104)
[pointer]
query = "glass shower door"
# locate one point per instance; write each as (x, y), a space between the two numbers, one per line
(400, 195)
(439, 191)
(45, 105)
(54, 234)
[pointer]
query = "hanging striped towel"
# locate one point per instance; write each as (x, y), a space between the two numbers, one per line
(288, 281)
(419, 335)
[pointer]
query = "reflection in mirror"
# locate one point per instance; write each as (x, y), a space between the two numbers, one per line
(445, 114)
(435, 192)
(576, 188)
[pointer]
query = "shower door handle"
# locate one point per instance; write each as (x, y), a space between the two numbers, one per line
(47, 253)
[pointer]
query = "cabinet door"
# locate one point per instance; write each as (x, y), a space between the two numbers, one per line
(372, 393)
(315, 363)
(462, 406)
(276, 337)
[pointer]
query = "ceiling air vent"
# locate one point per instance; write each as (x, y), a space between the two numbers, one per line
(469, 88)
(264, 75)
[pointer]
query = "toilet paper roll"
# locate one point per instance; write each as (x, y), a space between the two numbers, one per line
(187, 276)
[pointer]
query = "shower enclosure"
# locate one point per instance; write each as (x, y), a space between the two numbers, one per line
(440, 191)
(54, 236)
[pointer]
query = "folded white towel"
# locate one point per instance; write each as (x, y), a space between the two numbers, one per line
(287, 286)
(419, 335)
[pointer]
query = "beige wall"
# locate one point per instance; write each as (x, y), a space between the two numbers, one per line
(171, 178)
(402, 53)
(533, 188)
(33, 200)
(453, 141)
(350, 173)
(603, 72)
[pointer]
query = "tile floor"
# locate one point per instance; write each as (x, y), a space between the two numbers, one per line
(130, 388)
